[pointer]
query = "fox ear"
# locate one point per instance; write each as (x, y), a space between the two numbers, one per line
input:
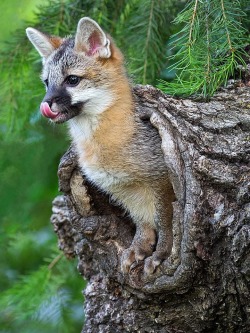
(91, 39)
(44, 44)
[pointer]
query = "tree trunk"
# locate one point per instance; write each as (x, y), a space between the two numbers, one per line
(204, 285)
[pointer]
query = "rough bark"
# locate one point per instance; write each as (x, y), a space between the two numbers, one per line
(204, 285)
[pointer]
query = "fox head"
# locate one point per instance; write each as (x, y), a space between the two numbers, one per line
(81, 74)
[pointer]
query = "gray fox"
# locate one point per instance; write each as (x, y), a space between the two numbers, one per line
(87, 86)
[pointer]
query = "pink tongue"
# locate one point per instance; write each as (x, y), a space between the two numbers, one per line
(46, 111)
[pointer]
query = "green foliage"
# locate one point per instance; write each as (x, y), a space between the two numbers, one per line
(210, 46)
(41, 299)
(147, 29)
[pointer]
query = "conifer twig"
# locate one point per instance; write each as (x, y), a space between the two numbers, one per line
(55, 261)
(147, 42)
(225, 20)
(192, 22)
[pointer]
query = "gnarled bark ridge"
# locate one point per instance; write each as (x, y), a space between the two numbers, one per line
(204, 285)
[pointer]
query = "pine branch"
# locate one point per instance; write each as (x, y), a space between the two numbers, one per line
(147, 41)
(39, 296)
(192, 23)
(210, 47)
(21, 298)
(147, 28)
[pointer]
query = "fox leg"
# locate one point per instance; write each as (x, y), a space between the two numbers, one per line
(142, 246)
(164, 216)
(162, 251)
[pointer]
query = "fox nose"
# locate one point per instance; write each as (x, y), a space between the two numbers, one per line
(49, 101)
(50, 96)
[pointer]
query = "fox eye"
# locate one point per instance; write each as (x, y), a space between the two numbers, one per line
(72, 80)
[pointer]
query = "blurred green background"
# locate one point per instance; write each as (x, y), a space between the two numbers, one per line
(33, 297)
(13, 13)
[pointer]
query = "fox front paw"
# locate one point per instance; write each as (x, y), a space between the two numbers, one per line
(151, 264)
(152, 260)
(161, 253)
(135, 253)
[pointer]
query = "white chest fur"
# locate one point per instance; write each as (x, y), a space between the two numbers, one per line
(106, 179)
(81, 130)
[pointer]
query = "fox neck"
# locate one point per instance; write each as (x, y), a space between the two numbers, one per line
(112, 123)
